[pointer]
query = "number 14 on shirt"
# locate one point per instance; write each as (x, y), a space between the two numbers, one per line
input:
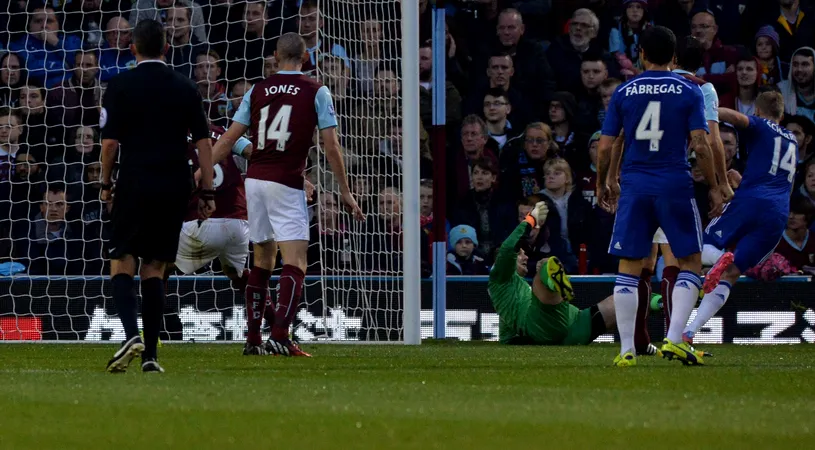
(278, 130)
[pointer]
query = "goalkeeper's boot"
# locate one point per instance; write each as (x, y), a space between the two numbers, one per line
(687, 337)
(151, 365)
(249, 349)
(130, 349)
(650, 350)
(627, 360)
(715, 275)
(284, 348)
(681, 351)
(553, 275)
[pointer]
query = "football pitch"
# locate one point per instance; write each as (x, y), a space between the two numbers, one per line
(437, 396)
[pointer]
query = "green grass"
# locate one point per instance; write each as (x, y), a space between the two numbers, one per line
(437, 396)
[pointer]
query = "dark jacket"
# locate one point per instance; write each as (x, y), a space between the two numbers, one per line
(501, 219)
(475, 265)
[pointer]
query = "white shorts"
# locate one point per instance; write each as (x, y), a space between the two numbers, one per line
(199, 245)
(276, 212)
(659, 237)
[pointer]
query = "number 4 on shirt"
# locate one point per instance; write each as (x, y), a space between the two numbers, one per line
(648, 129)
(278, 130)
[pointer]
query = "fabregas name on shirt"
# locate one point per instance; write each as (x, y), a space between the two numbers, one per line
(653, 89)
(282, 89)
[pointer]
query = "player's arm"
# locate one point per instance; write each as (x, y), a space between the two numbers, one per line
(612, 128)
(110, 124)
(704, 157)
(240, 124)
(711, 99)
(327, 123)
(506, 260)
(734, 118)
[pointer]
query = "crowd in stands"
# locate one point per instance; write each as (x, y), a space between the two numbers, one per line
(527, 85)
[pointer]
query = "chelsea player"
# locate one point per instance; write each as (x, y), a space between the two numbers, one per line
(753, 223)
(658, 112)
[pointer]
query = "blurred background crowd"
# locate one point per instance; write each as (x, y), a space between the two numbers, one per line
(527, 84)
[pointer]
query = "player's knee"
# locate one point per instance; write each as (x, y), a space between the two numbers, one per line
(152, 269)
(710, 255)
(692, 263)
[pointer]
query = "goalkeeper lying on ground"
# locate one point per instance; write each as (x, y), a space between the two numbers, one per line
(541, 314)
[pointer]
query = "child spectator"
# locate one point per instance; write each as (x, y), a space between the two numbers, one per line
(573, 209)
(624, 40)
(773, 70)
(463, 260)
(796, 245)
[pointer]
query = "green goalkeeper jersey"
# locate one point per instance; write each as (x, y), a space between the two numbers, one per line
(523, 319)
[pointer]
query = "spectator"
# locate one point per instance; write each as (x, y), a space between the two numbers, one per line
(793, 22)
(390, 156)
(93, 214)
(86, 18)
(500, 71)
(569, 50)
(83, 148)
(208, 78)
(730, 141)
(484, 209)
(426, 219)
(383, 245)
(50, 246)
(43, 132)
(606, 90)
(676, 15)
(496, 112)
(18, 195)
(184, 46)
(624, 40)
(807, 189)
(330, 248)
(593, 73)
(742, 96)
(9, 142)
(773, 69)
(717, 57)
(570, 141)
(160, 10)
(452, 97)
(463, 260)
(271, 67)
(239, 89)
(45, 49)
(799, 89)
(12, 75)
(249, 41)
(804, 130)
(115, 55)
(587, 179)
(476, 143)
(795, 244)
(522, 167)
(573, 209)
(309, 23)
(371, 52)
(533, 75)
(78, 99)
(546, 240)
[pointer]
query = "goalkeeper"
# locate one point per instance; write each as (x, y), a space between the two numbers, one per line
(541, 314)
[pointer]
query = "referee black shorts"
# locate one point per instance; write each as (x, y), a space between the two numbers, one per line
(147, 225)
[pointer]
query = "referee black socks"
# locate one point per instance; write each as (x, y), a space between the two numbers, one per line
(124, 297)
(152, 310)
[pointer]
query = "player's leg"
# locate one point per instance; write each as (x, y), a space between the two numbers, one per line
(123, 265)
(549, 320)
(682, 224)
(669, 274)
(552, 285)
(634, 226)
(751, 250)
(641, 338)
(153, 300)
(289, 218)
(261, 234)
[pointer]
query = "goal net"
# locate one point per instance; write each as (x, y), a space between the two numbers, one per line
(56, 61)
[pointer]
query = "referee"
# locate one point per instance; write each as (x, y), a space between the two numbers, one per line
(147, 113)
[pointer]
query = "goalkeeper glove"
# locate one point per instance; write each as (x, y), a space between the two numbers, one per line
(538, 215)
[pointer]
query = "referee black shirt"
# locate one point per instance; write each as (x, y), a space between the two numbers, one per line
(150, 110)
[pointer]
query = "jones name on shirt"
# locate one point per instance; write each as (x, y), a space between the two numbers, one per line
(653, 89)
(282, 89)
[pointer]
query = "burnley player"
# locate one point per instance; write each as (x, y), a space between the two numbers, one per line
(282, 112)
(754, 222)
(225, 235)
(657, 110)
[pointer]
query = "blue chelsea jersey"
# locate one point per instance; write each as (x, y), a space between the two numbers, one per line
(772, 153)
(657, 110)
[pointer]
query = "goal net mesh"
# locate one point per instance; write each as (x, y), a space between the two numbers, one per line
(56, 61)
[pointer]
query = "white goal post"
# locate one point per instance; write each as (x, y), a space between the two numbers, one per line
(363, 284)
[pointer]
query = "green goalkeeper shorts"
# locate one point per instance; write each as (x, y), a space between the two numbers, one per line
(561, 324)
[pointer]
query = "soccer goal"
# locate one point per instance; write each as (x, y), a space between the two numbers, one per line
(363, 279)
